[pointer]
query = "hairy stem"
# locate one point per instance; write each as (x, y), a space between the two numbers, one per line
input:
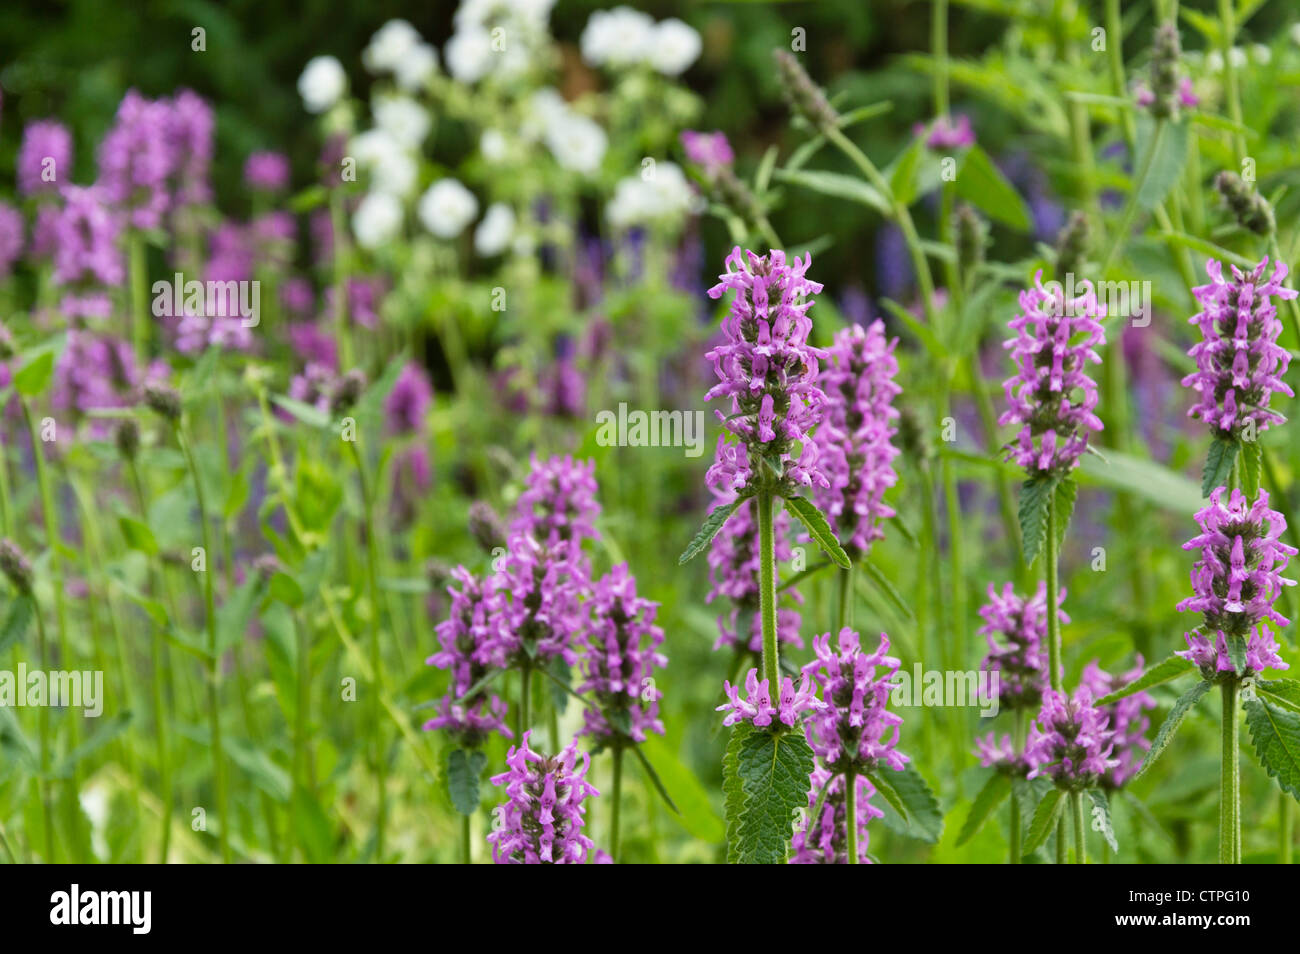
(767, 591)
(1229, 779)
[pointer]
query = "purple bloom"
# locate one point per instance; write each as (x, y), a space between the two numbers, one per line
(536, 612)
(1000, 754)
(408, 402)
(757, 706)
(363, 301)
(314, 345)
(943, 133)
(1239, 364)
(93, 373)
(267, 171)
(621, 654)
(710, 151)
(1127, 721)
(465, 638)
(191, 128)
(86, 239)
(1051, 395)
(823, 841)
(1236, 580)
(559, 502)
(848, 733)
(11, 238)
(44, 158)
(541, 820)
(136, 158)
(1070, 742)
(1016, 630)
(767, 367)
(854, 441)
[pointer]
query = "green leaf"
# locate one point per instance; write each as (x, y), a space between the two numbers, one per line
(105, 732)
(34, 376)
(561, 684)
(1218, 465)
(837, 186)
(766, 165)
(1237, 652)
(1280, 692)
(1101, 818)
(819, 528)
(317, 493)
(1252, 464)
(886, 587)
(901, 173)
(19, 617)
(1066, 491)
(1172, 721)
(1035, 498)
(1275, 733)
(308, 414)
(313, 828)
(1166, 164)
(922, 332)
(981, 184)
(236, 612)
(1143, 478)
(463, 772)
(137, 535)
(1045, 817)
(717, 517)
(1163, 671)
(285, 588)
(994, 792)
(695, 812)
(254, 761)
(655, 780)
(916, 811)
(765, 776)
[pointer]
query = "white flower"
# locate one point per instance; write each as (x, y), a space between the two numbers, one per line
(402, 118)
(322, 83)
(395, 173)
(676, 46)
(447, 207)
(378, 220)
(469, 54)
(478, 13)
(665, 197)
(577, 143)
(493, 145)
(618, 37)
(413, 71)
(391, 43)
(1238, 57)
(372, 146)
(495, 231)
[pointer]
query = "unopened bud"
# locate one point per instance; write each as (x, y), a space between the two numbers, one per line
(486, 527)
(15, 565)
(804, 96)
(971, 235)
(1165, 53)
(163, 400)
(1072, 245)
(127, 438)
(1251, 209)
(347, 391)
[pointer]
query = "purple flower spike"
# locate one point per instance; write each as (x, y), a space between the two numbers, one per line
(85, 237)
(621, 656)
(1236, 580)
(758, 707)
(1000, 754)
(1071, 741)
(768, 369)
(466, 641)
(849, 731)
(1127, 720)
(536, 611)
(822, 841)
(710, 151)
(541, 820)
(854, 441)
(137, 157)
(1016, 630)
(559, 502)
(267, 171)
(1239, 364)
(1051, 395)
(44, 158)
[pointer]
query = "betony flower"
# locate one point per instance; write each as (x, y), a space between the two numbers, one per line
(621, 654)
(1239, 364)
(541, 820)
(855, 439)
(536, 612)
(1127, 720)
(44, 157)
(1000, 753)
(852, 730)
(1236, 580)
(823, 840)
(709, 150)
(768, 369)
(137, 157)
(267, 171)
(1016, 630)
(1051, 396)
(1070, 742)
(558, 502)
(757, 706)
(943, 133)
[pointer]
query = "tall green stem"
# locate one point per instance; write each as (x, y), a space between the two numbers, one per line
(1080, 832)
(1229, 779)
(616, 808)
(851, 816)
(1053, 595)
(767, 591)
(140, 310)
(1018, 742)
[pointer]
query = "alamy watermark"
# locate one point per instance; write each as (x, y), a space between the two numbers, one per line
(1130, 300)
(74, 689)
(637, 428)
(211, 299)
(943, 688)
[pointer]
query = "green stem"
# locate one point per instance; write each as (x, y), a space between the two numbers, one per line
(1018, 741)
(767, 591)
(342, 328)
(1231, 88)
(43, 731)
(851, 815)
(140, 310)
(522, 723)
(466, 845)
(1080, 832)
(300, 716)
(212, 660)
(616, 808)
(1130, 205)
(1229, 779)
(845, 582)
(952, 505)
(1053, 594)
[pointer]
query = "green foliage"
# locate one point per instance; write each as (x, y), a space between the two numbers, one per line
(1275, 732)
(765, 778)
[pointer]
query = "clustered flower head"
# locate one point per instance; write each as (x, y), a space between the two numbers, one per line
(15, 566)
(1239, 364)
(852, 729)
(1051, 396)
(559, 502)
(136, 159)
(757, 706)
(1127, 718)
(823, 840)
(541, 820)
(44, 158)
(1250, 209)
(1016, 630)
(536, 607)
(733, 573)
(711, 153)
(855, 439)
(465, 638)
(621, 654)
(1070, 742)
(1236, 580)
(1000, 753)
(1162, 98)
(769, 371)
(943, 133)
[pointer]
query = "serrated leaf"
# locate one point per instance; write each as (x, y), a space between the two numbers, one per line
(886, 586)
(712, 524)
(1045, 817)
(819, 529)
(1237, 652)
(463, 771)
(1163, 671)
(1172, 721)
(1035, 498)
(1275, 733)
(104, 733)
(768, 780)
(1101, 822)
(1066, 492)
(994, 792)
(1218, 465)
(696, 813)
(917, 810)
(1280, 692)
(1252, 466)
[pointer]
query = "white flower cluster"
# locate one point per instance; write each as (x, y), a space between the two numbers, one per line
(397, 48)
(624, 37)
(659, 196)
(496, 36)
(577, 142)
(322, 83)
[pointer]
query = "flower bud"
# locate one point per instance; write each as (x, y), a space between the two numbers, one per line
(1251, 209)
(127, 438)
(804, 96)
(163, 400)
(486, 527)
(15, 565)
(1072, 245)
